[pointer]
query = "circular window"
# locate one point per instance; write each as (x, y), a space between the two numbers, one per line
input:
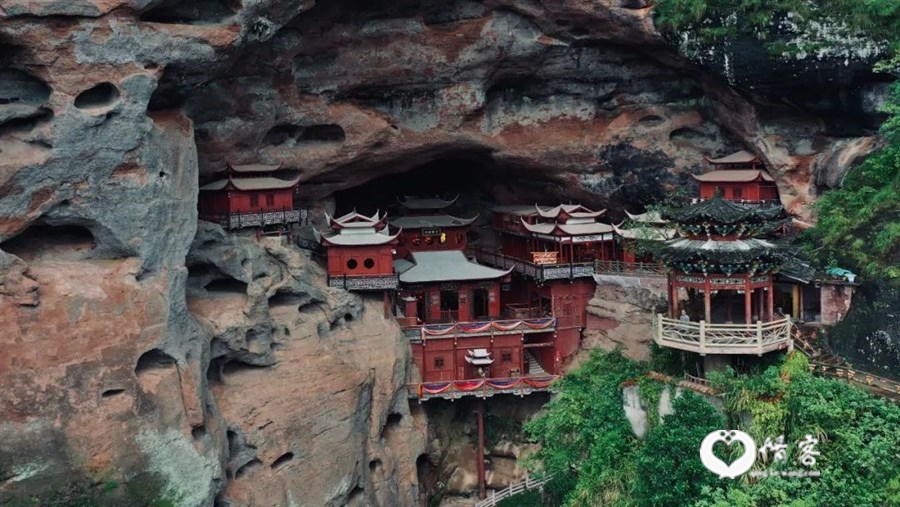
(369, 263)
(352, 263)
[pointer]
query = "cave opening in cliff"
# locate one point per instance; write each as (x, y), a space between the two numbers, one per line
(195, 12)
(475, 177)
(44, 241)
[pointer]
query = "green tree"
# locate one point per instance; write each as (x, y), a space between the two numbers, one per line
(668, 468)
(586, 441)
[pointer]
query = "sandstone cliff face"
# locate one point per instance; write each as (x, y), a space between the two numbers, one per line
(621, 314)
(138, 349)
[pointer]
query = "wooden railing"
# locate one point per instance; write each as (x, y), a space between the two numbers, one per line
(511, 490)
(540, 272)
(629, 268)
(523, 311)
(521, 385)
(361, 283)
(706, 338)
(258, 218)
(481, 328)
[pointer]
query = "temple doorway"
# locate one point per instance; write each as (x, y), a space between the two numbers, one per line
(480, 309)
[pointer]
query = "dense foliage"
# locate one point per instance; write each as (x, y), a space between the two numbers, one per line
(876, 19)
(588, 445)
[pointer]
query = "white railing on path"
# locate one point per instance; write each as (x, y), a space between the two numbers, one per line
(511, 490)
(706, 338)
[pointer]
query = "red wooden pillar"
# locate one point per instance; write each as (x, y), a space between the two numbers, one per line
(759, 304)
(707, 301)
(771, 300)
(748, 302)
(411, 309)
(674, 297)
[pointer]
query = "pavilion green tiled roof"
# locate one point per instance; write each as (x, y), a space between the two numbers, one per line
(718, 210)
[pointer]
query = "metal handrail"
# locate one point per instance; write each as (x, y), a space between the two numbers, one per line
(512, 490)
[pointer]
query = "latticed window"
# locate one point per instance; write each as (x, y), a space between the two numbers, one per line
(439, 362)
(506, 356)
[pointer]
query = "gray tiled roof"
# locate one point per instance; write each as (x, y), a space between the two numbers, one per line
(447, 266)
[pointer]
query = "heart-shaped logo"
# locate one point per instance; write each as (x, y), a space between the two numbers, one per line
(719, 467)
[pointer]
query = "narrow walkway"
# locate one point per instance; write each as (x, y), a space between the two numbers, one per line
(822, 361)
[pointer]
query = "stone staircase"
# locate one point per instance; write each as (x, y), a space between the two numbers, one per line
(534, 367)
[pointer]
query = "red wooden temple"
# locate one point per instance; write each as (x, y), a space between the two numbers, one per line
(738, 177)
(253, 195)
(649, 226)
(360, 252)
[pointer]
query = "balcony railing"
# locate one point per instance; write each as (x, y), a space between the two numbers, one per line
(540, 272)
(523, 311)
(257, 218)
(705, 338)
(374, 282)
(481, 328)
(482, 388)
(641, 269)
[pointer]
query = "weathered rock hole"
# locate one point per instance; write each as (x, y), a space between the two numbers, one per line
(651, 120)
(356, 496)
(236, 367)
(17, 87)
(152, 360)
(198, 433)
(375, 466)
(19, 120)
(291, 134)
(43, 241)
(101, 96)
(194, 12)
(633, 4)
(348, 317)
(427, 474)
(243, 469)
(391, 425)
(282, 460)
(214, 370)
(110, 393)
(280, 134)
(325, 133)
(226, 285)
(688, 137)
(286, 299)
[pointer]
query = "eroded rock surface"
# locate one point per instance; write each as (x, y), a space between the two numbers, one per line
(621, 314)
(138, 350)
